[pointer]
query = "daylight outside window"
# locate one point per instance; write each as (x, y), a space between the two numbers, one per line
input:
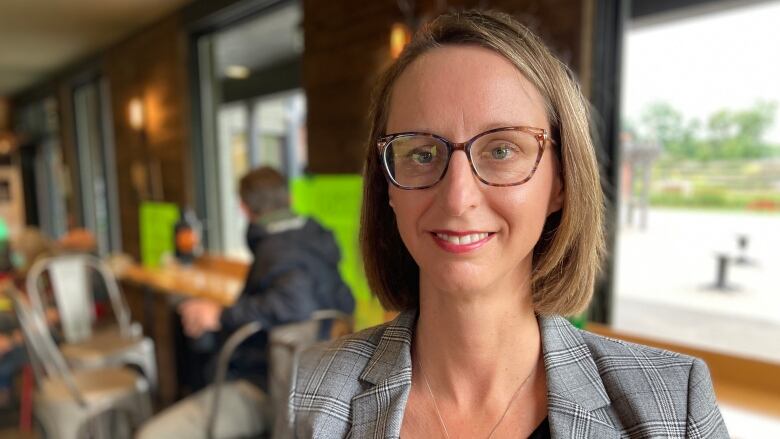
(699, 230)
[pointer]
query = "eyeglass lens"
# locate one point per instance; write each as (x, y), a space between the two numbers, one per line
(501, 158)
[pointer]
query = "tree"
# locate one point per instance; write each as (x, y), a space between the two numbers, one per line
(730, 134)
(740, 134)
(665, 124)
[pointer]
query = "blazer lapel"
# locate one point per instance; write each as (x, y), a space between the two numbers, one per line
(577, 401)
(378, 411)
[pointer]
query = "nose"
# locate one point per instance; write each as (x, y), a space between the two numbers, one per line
(459, 190)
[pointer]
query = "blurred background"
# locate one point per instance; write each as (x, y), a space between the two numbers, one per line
(129, 118)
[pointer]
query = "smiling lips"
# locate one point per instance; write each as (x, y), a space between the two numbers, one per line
(460, 242)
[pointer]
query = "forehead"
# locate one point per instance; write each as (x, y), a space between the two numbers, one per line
(459, 91)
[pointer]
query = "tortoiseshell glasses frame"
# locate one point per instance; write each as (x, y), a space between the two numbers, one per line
(384, 143)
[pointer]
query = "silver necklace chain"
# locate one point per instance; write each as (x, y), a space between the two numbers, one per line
(495, 427)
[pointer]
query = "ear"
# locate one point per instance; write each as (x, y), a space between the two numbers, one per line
(556, 196)
(245, 210)
(556, 191)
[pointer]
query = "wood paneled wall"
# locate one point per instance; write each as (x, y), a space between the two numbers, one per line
(151, 66)
(347, 47)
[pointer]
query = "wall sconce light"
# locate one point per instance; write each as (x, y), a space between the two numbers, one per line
(400, 36)
(236, 71)
(136, 114)
(6, 144)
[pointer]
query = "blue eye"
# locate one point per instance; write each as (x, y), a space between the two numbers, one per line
(423, 156)
(501, 152)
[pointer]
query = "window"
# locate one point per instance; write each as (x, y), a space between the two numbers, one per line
(253, 113)
(43, 167)
(700, 180)
(267, 131)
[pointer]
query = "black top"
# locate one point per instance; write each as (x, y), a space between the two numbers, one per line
(542, 431)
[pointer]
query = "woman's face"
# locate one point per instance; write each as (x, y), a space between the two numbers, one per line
(458, 92)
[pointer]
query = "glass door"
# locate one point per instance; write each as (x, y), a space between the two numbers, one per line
(252, 112)
(97, 169)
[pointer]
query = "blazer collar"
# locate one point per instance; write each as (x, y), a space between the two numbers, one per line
(393, 353)
(379, 410)
(577, 400)
(571, 369)
(575, 391)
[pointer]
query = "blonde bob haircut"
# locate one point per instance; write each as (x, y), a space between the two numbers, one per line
(568, 255)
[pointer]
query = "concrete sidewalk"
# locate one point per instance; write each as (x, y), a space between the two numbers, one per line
(664, 276)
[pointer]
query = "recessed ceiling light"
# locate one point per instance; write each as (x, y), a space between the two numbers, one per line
(237, 72)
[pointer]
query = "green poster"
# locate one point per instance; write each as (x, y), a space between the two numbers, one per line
(156, 223)
(334, 201)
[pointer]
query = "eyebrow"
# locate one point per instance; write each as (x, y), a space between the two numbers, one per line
(480, 130)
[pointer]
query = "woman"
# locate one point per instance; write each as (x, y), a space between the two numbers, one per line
(482, 224)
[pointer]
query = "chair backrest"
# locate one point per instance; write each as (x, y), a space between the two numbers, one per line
(286, 342)
(44, 355)
(70, 280)
(223, 360)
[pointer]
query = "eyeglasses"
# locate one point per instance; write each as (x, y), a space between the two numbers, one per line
(505, 156)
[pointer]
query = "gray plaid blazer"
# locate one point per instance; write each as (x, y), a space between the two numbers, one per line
(357, 387)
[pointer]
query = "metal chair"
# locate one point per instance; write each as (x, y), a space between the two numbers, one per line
(223, 361)
(69, 277)
(286, 343)
(67, 404)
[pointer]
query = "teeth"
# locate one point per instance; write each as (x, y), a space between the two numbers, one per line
(463, 240)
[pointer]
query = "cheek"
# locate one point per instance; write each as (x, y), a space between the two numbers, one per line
(526, 206)
(408, 207)
(527, 210)
(400, 205)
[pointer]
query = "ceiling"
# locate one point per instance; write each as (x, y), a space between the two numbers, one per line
(39, 37)
(261, 41)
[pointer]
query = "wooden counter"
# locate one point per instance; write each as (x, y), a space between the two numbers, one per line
(198, 280)
(152, 294)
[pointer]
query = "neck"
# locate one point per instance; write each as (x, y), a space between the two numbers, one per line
(474, 350)
(272, 216)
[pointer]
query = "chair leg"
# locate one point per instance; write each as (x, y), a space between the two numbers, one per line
(149, 364)
(56, 428)
(144, 406)
(137, 408)
(112, 424)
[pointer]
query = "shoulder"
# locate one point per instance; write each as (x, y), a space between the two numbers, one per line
(612, 357)
(610, 353)
(631, 370)
(657, 384)
(641, 390)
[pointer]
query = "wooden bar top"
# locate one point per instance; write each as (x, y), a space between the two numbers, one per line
(210, 277)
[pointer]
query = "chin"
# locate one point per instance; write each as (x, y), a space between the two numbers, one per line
(460, 279)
